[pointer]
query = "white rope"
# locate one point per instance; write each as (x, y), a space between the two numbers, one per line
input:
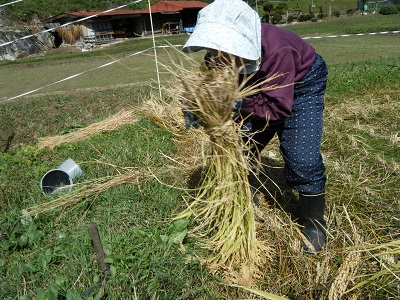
(154, 47)
(346, 35)
(72, 76)
(68, 23)
(81, 73)
(78, 74)
(5, 4)
(159, 85)
(136, 53)
(155, 50)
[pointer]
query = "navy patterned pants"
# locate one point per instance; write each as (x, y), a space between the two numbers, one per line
(300, 134)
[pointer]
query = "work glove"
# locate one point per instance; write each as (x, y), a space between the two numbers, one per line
(237, 105)
(247, 126)
(190, 118)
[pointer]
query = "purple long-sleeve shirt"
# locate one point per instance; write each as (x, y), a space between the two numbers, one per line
(283, 52)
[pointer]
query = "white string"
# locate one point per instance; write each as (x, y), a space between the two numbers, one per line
(72, 76)
(83, 72)
(155, 50)
(78, 74)
(12, 2)
(346, 35)
(110, 63)
(5, 4)
(68, 23)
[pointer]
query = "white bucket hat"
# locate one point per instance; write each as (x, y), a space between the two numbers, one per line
(230, 26)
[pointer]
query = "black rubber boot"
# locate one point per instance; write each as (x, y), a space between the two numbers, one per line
(312, 208)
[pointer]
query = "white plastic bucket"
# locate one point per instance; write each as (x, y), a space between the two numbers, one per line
(61, 179)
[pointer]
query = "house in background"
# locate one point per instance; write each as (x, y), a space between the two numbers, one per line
(167, 17)
(173, 16)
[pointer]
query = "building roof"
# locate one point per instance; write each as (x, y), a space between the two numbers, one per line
(159, 7)
(174, 6)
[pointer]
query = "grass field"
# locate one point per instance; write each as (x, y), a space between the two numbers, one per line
(51, 257)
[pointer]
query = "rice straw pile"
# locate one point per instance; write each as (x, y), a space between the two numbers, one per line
(223, 205)
(70, 33)
(111, 123)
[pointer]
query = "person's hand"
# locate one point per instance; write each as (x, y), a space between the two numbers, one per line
(237, 105)
(191, 120)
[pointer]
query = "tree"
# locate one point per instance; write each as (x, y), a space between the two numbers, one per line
(267, 7)
(276, 18)
(281, 8)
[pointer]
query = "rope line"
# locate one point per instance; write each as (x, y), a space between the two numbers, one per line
(155, 50)
(355, 34)
(84, 72)
(139, 52)
(67, 24)
(12, 2)
(72, 76)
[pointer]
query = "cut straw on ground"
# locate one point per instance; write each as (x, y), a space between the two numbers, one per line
(87, 190)
(111, 123)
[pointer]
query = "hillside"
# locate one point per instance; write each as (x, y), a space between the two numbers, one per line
(25, 9)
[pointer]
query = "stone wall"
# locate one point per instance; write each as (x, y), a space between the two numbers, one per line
(13, 41)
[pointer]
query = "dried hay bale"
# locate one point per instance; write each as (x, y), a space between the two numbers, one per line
(76, 31)
(111, 123)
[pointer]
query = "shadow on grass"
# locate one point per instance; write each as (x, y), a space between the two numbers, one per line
(271, 184)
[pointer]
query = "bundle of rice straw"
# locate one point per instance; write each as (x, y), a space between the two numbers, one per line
(111, 123)
(70, 33)
(223, 205)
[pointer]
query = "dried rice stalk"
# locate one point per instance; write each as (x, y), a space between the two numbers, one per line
(87, 190)
(169, 116)
(345, 275)
(111, 123)
(386, 256)
(70, 33)
(223, 205)
(349, 267)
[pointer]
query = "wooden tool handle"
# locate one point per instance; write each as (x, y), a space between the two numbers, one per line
(98, 248)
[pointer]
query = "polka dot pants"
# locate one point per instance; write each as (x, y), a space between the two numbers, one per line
(300, 134)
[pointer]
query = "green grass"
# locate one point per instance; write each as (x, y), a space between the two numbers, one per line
(61, 63)
(52, 254)
(354, 25)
